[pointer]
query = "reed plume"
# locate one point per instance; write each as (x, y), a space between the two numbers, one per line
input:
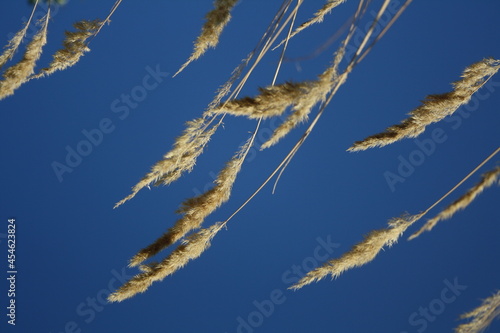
(488, 179)
(271, 102)
(216, 20)
(301, 109)
(319, 15)
(362, 253)
(274, 100)
(317, 18)
(16, 75)
(192, 247)
(196, 209)
(435, 107)
(482, 316)
(74, 47)
(181, 158)
(15, 41)
(12, 46)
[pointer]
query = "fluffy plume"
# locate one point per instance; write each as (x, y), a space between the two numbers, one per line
(196, 209)
(482, 316)
(317, 18)
(13, 45)
(74, 47)
(362, 253)
(304, 104)
(434, 107)
(274, 100)
(271, 102)
(18, 74)
(191, 248)
(182, 157)
(216, 20)
(487, 180)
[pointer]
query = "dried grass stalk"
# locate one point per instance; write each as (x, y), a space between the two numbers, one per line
(434, 107)
(271, 102)
(191, 248)
(19, 73)
(216, 20)
(13, 45)
(305, 103)
(274, 100)
(196, 209)
(362, 253)
(482, 316)
(181, 158)
(317, 18)
(74, 47)
(487, 180)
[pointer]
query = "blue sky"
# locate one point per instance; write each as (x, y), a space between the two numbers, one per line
(73, 247)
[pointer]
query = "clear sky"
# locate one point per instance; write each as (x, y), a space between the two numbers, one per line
(73, 247)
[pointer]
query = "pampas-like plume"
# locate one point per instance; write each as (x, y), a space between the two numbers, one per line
(274, 100)
(317, 93)
(196, 209)
(74, 47)
(434, 107)
(181, 158)
(19, 73)
(191, 248)
(216, 20)
(271, 102)
(13, 45)
(488, 179)
(482, 316)
(317, 18)
(362, 253)
(319, 15)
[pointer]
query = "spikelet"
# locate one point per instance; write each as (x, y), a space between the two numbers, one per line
(196, 209)
(362, 253)
(191, 248)
(216, 20)
(487, 180)
(434, 107)
(181, 158)
(74, 47)
(482, 316)
(18, 74)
